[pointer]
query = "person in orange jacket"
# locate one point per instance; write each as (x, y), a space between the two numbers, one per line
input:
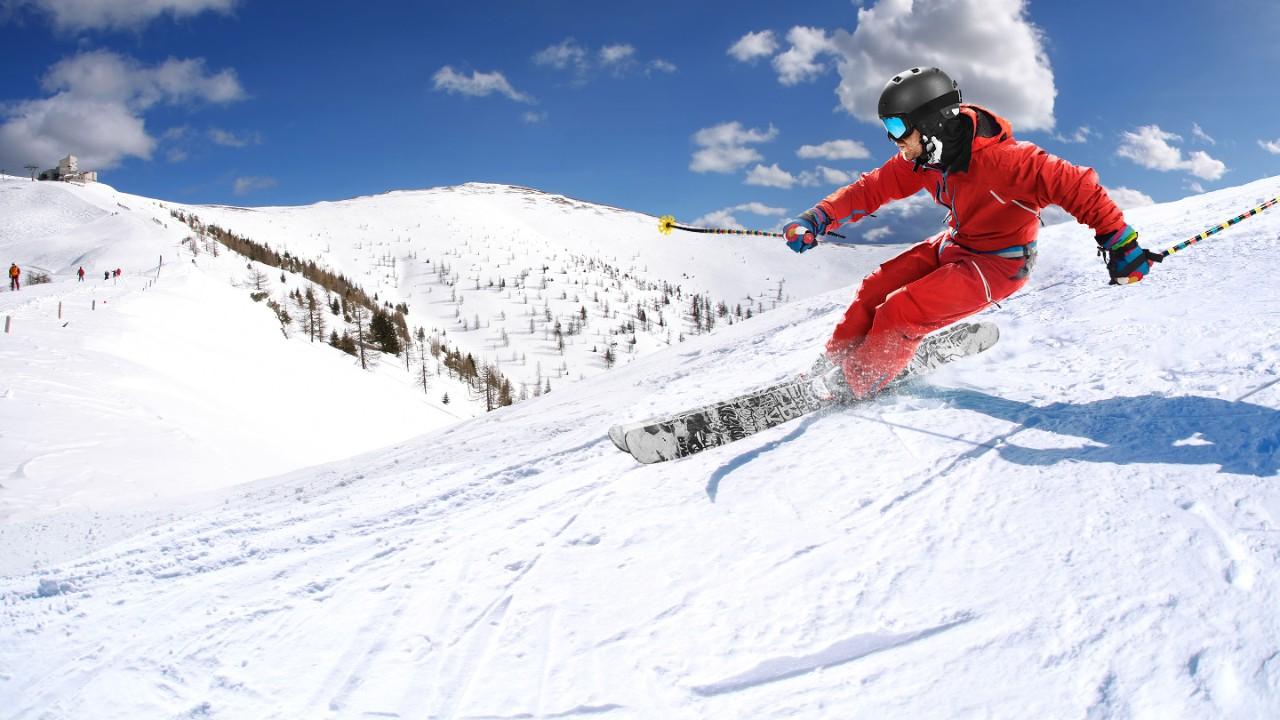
(15, 274)
(993, 186)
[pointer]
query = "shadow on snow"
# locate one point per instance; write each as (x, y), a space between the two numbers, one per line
(1239, 437)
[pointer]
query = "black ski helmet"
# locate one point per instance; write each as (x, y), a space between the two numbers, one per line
(924, 97)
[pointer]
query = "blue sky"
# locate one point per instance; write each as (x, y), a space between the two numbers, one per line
(722, 112)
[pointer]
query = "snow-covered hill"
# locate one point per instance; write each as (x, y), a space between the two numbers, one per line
(497, 270)
(1082, 522)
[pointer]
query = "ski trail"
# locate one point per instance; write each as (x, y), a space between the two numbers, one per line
(838, 653)
(713, 483)
(1239, 569)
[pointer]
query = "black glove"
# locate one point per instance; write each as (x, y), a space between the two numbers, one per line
(1126, 260)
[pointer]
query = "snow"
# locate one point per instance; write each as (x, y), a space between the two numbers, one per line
(1083, 521)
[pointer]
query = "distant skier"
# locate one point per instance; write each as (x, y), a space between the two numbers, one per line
(106, 274)
(15, 274)
(80, 274)
(994, 188)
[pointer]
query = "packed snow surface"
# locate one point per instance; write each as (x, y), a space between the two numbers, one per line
(1082, 522)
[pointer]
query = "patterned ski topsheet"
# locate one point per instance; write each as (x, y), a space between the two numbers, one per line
(686, 433)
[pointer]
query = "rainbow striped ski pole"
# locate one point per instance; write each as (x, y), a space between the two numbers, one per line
(667, 223)
(1160, 256)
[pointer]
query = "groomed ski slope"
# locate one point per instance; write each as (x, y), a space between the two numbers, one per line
(1082, 522)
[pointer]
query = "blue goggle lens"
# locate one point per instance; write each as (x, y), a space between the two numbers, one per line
(896, 127)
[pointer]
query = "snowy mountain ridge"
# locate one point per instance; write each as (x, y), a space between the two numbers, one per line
(1083, 521)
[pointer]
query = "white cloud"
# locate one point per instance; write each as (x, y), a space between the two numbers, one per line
(567, 55)
(245, 185)
(1271, 146)
(477, 85)
(1081, 135)
(800, 62)
(230, 139)
(1150, 147)
(754, 46)
(989, 46)
(719, 219)
(772, 176)
(1195, 187)
(1124, 198)
(724, 147)
(76, 15)
(534, 118)
(875, 234)
(617, 54)
(725, 218)
(758, 208)
(96, 108)
(1127, 198)
(832, 176)
(104, 75)
(917, 204)
(662, 66)
(620, 59)
(1199, 133)
(835, 150)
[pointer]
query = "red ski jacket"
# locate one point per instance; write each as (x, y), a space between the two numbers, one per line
(995, 204)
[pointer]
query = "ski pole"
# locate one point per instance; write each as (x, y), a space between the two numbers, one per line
(667, 223)
(1160, 256)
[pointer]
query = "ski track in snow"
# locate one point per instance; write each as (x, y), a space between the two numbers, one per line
(1082, 522)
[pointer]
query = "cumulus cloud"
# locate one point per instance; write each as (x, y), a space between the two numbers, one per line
(1151, 148)
(1081, 135)
(245, 185)
(229, 139)
(1127, 198)
(478, 84)
(753, 46)
(97, 104)
(617, 54)
(103, 75)
(662, 66)
(832, 176)
(805, 59)
(875, 234)
(771, 176)
(991, 48)
(619, 59)
(1271, 146)
(726, 218)
(1199, 133)
(835, 150)
(77, 15)
(563, 56)
(914, 206)
(724, 147)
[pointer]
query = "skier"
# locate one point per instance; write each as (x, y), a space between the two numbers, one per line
(80, 273)
(994, 188)
(14, 275)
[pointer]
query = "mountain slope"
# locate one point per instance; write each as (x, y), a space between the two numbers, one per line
(1080, 522)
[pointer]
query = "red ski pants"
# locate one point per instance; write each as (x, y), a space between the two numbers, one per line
(927, 287)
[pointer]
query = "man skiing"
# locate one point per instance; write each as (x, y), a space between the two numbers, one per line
(994, 188)
(15, 276)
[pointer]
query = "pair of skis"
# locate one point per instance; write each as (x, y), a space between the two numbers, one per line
(686, 433)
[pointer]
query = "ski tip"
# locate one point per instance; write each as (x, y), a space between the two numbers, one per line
(619, 438)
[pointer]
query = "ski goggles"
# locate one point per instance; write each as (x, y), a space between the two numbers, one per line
(896, 126)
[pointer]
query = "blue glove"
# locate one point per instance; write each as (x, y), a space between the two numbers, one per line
(1126, 260)
(802, 233)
